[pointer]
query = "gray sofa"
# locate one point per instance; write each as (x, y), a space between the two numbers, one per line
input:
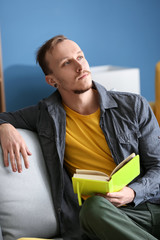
(26, 206)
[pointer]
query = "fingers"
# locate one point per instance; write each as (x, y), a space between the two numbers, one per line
(5, 158)
(15, 154)
(13, 146)
(12, 160)
(118, 199)
(28, 152)
(25, 153)
(15, 158)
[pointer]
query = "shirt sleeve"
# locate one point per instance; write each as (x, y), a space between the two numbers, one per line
(25, 118)
(147, 187)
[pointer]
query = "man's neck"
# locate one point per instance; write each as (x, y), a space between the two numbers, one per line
(84, 103)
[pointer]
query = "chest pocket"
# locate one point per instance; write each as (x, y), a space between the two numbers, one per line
(129, 140)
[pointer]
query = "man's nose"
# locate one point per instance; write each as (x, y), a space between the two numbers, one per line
(78, 66)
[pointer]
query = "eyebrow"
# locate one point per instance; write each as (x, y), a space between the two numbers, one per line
(62, 59)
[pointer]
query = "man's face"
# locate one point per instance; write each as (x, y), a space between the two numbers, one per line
(70, 68)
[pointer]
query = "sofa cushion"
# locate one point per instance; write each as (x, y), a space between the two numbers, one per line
(26, 206)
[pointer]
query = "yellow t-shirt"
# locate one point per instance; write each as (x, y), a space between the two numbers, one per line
(86, 147)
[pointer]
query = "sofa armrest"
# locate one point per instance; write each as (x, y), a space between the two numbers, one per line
(26, 206)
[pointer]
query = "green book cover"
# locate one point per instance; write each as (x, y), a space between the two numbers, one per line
(89, 182)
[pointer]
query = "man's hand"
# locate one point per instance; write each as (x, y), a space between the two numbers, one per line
(13, 144)
(118, 199)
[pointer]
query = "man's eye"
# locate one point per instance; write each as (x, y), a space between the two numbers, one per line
(79, 57)
(66, 63)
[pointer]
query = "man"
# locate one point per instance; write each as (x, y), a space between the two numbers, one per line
(82, 125)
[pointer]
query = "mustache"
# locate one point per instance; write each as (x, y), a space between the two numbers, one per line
(83, 73)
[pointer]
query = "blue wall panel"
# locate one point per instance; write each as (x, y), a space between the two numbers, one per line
(118, 32)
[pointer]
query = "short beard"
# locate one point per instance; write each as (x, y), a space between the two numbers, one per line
(84, 90)
(81, 91)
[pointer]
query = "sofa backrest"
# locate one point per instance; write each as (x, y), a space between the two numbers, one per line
(26, 206)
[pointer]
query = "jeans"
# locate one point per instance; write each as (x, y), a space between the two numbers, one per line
(102, 220)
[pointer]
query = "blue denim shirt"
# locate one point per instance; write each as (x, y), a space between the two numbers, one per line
(129, 125)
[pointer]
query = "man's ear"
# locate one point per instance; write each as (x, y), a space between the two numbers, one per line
(50, 80)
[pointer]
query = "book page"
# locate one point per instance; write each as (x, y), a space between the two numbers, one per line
(92, 177)
(99, 173)
(91, 172)
(126, 160)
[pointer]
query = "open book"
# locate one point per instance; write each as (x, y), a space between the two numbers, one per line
(88, 182)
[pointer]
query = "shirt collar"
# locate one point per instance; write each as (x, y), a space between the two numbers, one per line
(106, 99)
